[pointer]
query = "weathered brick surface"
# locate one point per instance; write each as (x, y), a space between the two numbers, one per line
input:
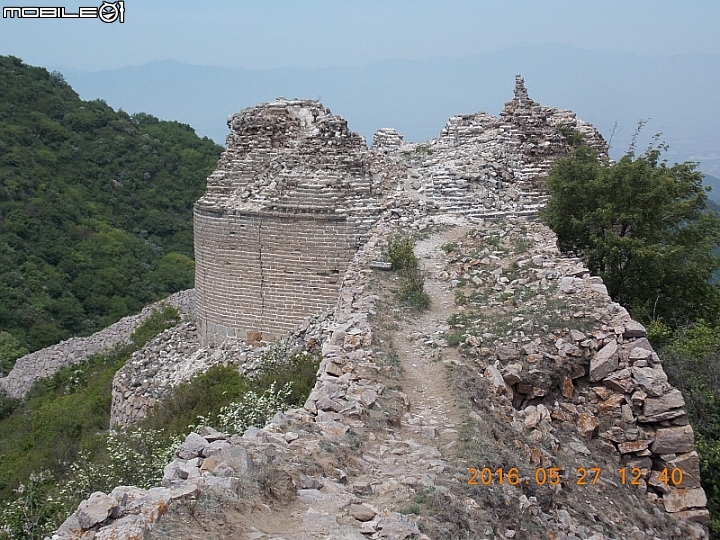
(265, 272)
(286, 209)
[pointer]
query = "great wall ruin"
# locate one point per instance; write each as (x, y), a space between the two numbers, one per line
(548, 373)
(287, 207)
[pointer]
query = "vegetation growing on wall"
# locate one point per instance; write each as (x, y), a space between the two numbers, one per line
(63, 414)
(643, 226)
(65, 452)
(646, 228)
(401, 256)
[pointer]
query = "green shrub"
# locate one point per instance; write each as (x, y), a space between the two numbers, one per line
(696, 341)
(413, 508)
(571, 135)
(252, 409)
(412, 290)
(7, 406)
(659, 333)
(424, 149)
(691, 359)
(62, 416)
(280, 368)
(34, 513)
(400, 253)
(10, 350)
(419, 300)
(221, 397)
(411, 281)
(453, 338)
(134, 457)
(521, 246)
(204, 396)
(709, 451)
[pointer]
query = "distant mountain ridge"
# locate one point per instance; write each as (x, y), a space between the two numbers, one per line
(676, 93)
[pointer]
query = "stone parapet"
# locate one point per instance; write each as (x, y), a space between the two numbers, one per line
(46, 362)
(555, 376)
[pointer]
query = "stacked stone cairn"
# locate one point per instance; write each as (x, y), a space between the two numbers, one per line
(486, 167)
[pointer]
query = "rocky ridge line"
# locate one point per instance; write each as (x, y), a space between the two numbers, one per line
(529, 385)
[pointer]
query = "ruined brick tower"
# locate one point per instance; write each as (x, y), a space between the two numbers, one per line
(284, 212)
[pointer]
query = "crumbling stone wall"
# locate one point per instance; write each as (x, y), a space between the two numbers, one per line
(289, 204)
(485, 166)
(291, 167)
(46, 362)
(599, 406)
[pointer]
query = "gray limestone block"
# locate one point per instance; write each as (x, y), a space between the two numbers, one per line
(684, 499)
(192, 447)
(214, 448)
(361, 512)
(652, 380)
(673, 440)
(70, 529)
(689, 464)
(95, 509)
(634, 329)
(130, 526)
(255, 434)
(672, 400)
(507, 353)
(235, 458)
(211, 434)
(171, 473)
(604, 362)
(308, 482)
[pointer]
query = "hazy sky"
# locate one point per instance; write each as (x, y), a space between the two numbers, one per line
(318, 33)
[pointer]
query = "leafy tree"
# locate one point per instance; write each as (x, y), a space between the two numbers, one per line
(643, 227)
(646, 228)
(95, 208)
(10, 349)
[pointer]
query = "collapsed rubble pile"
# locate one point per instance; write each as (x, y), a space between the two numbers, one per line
(557, 349)
(176, 356)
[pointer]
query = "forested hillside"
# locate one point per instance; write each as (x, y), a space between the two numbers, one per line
(95, 209)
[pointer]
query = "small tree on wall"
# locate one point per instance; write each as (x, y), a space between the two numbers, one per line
(643, 226)
(400, 253)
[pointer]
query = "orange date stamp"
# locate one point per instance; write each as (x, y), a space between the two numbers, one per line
(553, 476)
